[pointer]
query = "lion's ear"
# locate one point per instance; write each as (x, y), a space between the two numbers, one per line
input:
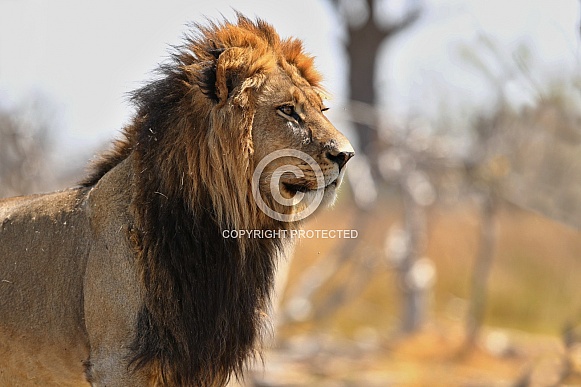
(228, 71)
(206, 78)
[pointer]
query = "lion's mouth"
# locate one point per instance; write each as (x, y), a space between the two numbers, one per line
(294, 188)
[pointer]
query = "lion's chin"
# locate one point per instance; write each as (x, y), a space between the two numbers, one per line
(330, 194)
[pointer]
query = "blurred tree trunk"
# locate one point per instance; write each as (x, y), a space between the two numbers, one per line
(362, 48)
(481, 271)
(414, 294)
(363, 43)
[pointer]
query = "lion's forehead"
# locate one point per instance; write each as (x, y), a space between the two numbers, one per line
(279, 92)
(306, 95)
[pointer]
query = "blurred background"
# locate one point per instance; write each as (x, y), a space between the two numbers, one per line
(465, 193)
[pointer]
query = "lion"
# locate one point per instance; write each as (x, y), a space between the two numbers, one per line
(127, 279)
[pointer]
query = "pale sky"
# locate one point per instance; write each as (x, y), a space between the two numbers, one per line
(425, 64)
(85, 56)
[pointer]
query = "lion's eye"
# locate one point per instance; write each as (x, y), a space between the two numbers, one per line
(324, 109)
(287, 110)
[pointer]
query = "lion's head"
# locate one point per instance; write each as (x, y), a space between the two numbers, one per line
(266, 97)
(239, 93)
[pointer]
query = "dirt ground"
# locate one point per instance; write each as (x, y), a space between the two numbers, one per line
(434, 357)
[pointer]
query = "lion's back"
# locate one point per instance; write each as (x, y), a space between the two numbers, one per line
(43, 251)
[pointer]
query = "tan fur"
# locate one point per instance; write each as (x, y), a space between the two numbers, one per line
(126, 280)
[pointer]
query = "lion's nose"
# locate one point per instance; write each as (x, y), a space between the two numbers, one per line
(340, 158)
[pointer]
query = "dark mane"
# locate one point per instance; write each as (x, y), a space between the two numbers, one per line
(210, 321)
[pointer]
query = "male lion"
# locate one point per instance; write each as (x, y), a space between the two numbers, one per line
(128, 280)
